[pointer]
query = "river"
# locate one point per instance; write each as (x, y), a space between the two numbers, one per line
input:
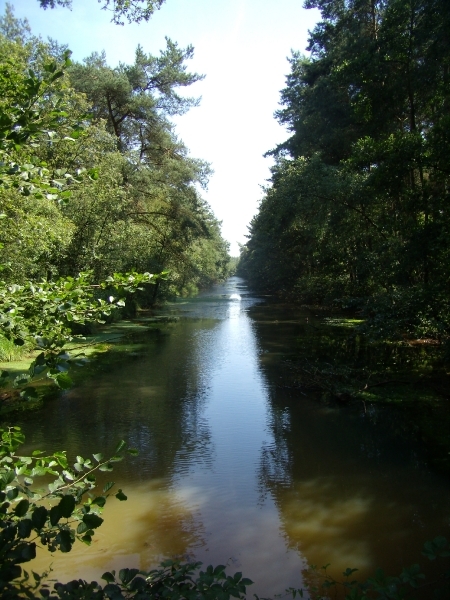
(234, 467)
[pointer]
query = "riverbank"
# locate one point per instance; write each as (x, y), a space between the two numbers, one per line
(332, 358)
(84, 352)
(328, 358)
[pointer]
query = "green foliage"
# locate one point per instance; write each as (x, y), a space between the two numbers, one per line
(356, 212)
(146, 212)
(171, 580)
(438, 547)
(176, 580)
(34, 113)
(78, 202)
(33, 234)
(54, 514)
(134, 11)
(10, 351)
(409, 584)
(132, 99)
(92, 176)
(42, 316)
(67, 510)
(17, 30)
(25, 118)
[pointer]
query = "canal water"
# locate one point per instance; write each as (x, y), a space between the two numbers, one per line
(234, 466)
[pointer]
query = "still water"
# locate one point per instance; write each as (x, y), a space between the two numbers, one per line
(234, 467)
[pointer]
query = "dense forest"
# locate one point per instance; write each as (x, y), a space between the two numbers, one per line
(356, 212)
(94, 176)
(98, 197)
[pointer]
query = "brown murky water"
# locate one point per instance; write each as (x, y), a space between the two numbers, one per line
(232, 467)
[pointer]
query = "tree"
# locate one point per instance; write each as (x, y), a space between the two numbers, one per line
(17, 30)
(159, 203)
(134, 11)
(136, 100)
(357, 209)
(94, 177)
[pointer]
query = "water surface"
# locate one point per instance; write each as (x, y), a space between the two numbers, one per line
(234, 468)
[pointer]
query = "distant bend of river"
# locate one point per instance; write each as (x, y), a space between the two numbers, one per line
(232, 467)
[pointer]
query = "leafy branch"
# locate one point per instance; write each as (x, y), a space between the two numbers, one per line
(381, 585)
(134, 11)
(26, 520)
(25, 514)
(42, 315)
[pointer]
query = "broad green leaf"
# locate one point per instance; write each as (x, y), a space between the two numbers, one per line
(39, 517)
(28, 552)
(29, 393)
(99, 501)
(22, 508)
(12, 494)
(121, 496)
(106, 467)
(114, 459)
(63, 381)
(64, 539)
(55, 485)
(127, 575)
(24, 528)
(120, 446)
(92, 520)
(67, 506)
(108, 486)
(82, 527)
(55, 515)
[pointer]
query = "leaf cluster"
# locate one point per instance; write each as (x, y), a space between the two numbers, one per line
(134, 11)
(356, 213)
(53, 515)
(409, 584)
(42, 315)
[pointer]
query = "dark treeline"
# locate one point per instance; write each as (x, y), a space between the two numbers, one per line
(356, 213)
(122, 191)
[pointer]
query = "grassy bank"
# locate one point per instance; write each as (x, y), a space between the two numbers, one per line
(83, 352)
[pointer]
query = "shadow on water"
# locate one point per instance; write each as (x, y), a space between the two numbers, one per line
(237, 463)
(332, 359)
(351, 481)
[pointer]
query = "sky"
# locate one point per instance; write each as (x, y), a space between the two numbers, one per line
(241, 46)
